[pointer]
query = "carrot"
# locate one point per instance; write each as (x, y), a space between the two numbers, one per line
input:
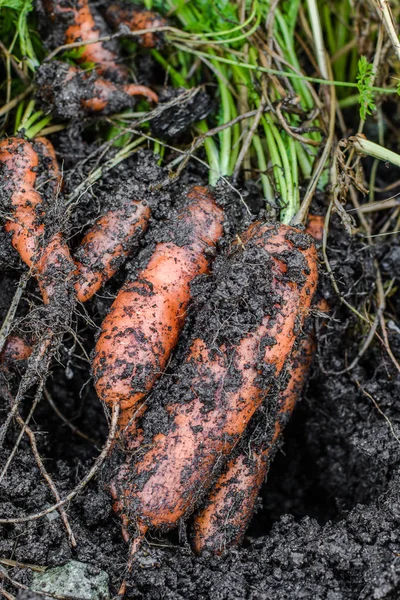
(144, 322)
(107, 244)
(315, 226)
(19, 163)
(221, 386)
(103, 248)
(15, 349)
(136, 20)
(69, 91)
(222, 521)
(78, 22)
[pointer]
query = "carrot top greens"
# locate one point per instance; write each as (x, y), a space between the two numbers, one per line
(279, 74)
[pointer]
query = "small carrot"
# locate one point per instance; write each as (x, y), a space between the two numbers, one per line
(15, 349)
(223, 385)
(69, 91)
(78, 22)
(144, 322)
(136, 20)
(107, 243)
(222, 521)
(19, 163)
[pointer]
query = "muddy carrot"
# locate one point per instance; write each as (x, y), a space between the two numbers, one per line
(76, 21)
(219, 387)
(225, 516)
(19, 162)
(15, 349)
(136, 19)
(222, 521)
(106, 245)
(144, 322)
(69, 91)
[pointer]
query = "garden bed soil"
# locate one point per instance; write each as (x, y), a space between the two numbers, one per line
(327, 525)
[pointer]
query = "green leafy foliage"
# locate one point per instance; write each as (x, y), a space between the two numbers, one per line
(364, 84)
(16, 33)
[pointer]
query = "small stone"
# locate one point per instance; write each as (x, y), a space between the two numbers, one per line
(76, 580)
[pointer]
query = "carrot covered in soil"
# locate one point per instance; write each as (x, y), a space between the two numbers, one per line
(136, 20)
(70, 91)
(107, 243)
(225, 516)
(76, 21)
(15, 349)
(222, 521)
(145, 321)
(225, 377)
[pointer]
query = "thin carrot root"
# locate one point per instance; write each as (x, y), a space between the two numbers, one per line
(136, 20)
(224, 384)
(145, 321)
(225, 516)
(78, 22)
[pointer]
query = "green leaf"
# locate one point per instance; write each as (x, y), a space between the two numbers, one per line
(14, 4)
(364, 84)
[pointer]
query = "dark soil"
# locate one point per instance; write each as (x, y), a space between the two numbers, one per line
(328, 520)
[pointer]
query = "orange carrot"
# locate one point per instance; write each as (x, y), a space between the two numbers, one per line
(136, 19)
(78, 22)
(15, 349)
(223, 385)
(222, 521)
(144, 322)
(104, 247)
(69, 90)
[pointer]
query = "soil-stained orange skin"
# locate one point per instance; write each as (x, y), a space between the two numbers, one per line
(19, 161)
(104, 91)
(107, 244)
(83, 28)
(145, 321)
(165, 482)
(225, 516)
(104, 247)
(315, 226)
(15, 349)
(136, 20)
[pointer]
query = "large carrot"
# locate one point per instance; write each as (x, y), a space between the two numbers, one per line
(69, 91)
(144, 322)
(221, 386)
(76, 21)
(136, 20)
(222, 521)
(224, 518)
